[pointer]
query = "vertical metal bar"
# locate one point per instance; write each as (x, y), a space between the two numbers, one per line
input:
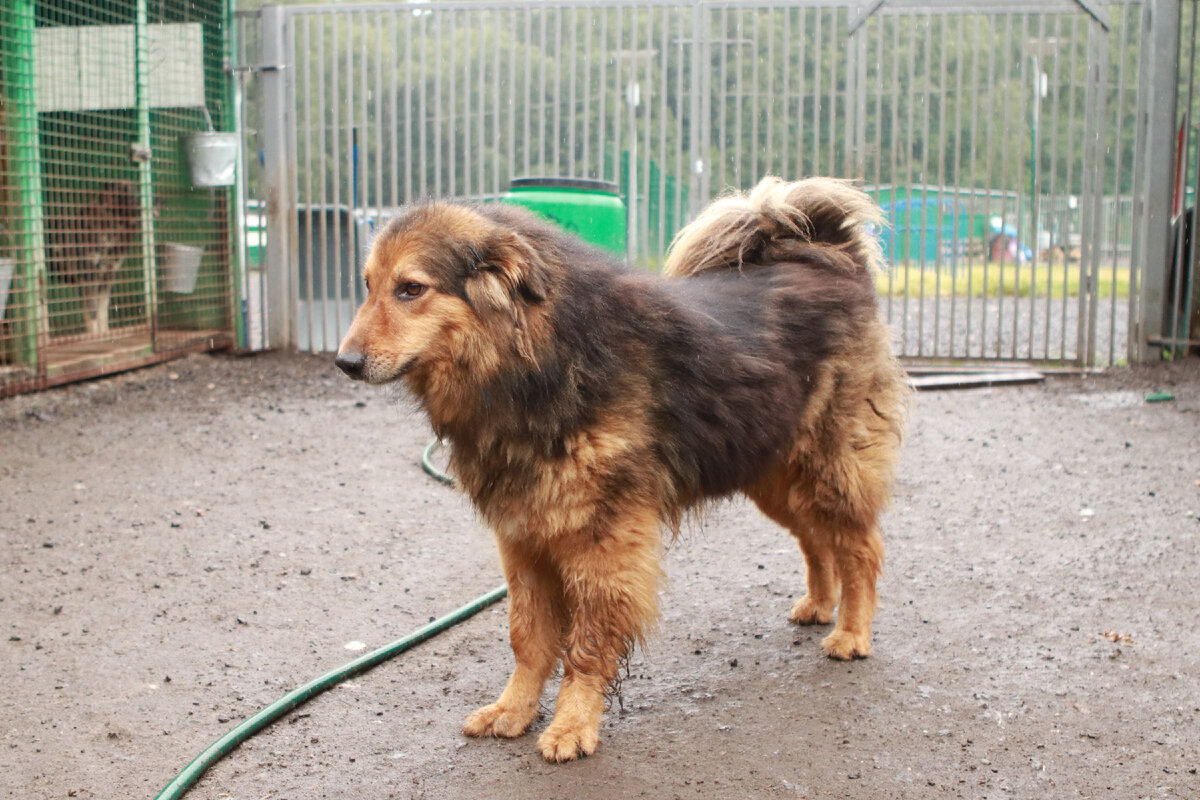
(1133, 344)
(239, 221)
(409, 122)
(818, 99)
(556, 140)
(894, 173)
(927, 94)
(393, 102)
(435, 127)
(906, 248)
(376, 127)
(1189, 263)
(1090, 205)
(618, 127)
(305, 161)
(939, 214)
(464, 130)
(785, 95)
(276, 168)
(755, 89)
(801, 75)
(958, 242)
(683, 65)
(706, 98)
(540, 109)
(1034, 83)
(989, 181)
(698, 66)
(362, 178)
(344, 94)
(737, 53)
(860, 116)
(849, 108)
(512, 110)
(1005, 132)
(325, 23)
(1071, 183)
(1087, 204)
(723, 51)
(530, 110)
(497, 103)
(835, 35)
(422, 111)
(974, 90)
(481, 109)
(1035, 183)
(602, 135)
(1122, 49)
(1054, 107)
(1160, 21)
(584, 133)
(144, 169)
(573, 110)
(877, 177)
(664, 56)
(646, 123)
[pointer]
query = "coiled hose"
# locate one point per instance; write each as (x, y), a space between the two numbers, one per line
(297, 697)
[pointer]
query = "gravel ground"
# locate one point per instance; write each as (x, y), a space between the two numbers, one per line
(182, 545)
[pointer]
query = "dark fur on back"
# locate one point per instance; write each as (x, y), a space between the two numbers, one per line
(711, 352)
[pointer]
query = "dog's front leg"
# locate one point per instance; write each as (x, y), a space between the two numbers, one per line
(536, 621)
(611, 585)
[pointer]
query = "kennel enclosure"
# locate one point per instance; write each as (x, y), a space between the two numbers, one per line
(115, 246)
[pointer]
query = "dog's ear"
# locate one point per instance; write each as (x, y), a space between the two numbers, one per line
(509, 278)
(520, 266)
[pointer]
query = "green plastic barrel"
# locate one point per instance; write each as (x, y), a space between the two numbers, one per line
(591, 209)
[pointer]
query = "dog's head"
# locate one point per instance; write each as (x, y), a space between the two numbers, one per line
(451, 290)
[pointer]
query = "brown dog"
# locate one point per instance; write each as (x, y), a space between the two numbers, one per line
(587, 408)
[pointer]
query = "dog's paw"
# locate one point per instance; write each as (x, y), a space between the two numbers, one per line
(845, 645)
(564, 743)
(496, 720)
(807, 612)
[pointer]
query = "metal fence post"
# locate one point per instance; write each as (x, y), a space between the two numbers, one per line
(1156, 133)
(279, 166)
(142, 156)
(701, 169)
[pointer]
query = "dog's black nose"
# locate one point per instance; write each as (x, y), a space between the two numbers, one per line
(353, 364)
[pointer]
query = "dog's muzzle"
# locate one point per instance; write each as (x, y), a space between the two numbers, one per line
(352, 363)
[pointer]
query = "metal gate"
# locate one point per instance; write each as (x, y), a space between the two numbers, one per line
(999, 139)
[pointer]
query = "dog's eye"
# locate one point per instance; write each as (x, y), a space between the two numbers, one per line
(407, 291)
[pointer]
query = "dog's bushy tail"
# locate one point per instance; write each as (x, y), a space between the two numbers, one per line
(775, 220)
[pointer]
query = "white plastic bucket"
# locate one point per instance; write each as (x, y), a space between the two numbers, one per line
(180, 266)
(211, 157)
(7, 268)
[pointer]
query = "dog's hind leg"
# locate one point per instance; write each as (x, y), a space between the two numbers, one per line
(611, 582)
(537, 617)
(821, 576)
(830, 499)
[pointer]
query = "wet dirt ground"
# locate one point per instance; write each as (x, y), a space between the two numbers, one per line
(182, 545)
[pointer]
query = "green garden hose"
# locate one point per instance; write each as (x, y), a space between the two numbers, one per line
(430, 469)
(223, 746)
